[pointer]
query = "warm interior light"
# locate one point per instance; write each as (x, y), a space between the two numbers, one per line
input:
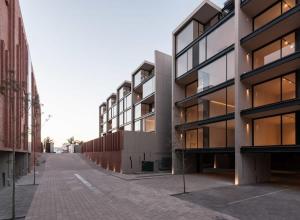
(221, 103)
(247, 127)
(247, 92)
(181, 135)
(286, 5)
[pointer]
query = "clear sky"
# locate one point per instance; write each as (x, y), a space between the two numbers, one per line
(83, 49)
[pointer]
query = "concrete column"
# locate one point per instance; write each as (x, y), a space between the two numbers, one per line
(249, 168)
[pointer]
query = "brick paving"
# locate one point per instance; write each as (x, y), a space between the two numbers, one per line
(72, 189)
(24, 194)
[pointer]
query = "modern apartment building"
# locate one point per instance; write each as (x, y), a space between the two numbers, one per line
(135, 123)
(20, 114)
(234, 94)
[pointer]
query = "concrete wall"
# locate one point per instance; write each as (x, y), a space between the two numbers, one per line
(250, 168)
(163, 102)
(5, 168)
(139, 146)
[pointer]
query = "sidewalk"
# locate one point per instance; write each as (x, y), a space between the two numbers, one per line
(24, 194)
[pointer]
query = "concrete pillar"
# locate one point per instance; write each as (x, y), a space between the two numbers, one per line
(250, 168)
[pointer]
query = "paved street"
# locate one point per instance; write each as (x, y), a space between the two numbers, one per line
(72, 189)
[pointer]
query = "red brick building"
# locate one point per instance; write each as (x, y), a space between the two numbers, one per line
(20, 114)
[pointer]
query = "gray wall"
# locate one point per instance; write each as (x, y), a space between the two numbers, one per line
(163, 102)
(136, 144)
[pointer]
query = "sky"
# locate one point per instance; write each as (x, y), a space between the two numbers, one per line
(82, 50)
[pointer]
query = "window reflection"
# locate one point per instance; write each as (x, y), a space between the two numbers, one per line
(274, 51)
(276, 90)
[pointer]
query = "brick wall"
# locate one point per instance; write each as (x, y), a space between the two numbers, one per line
(14, 70)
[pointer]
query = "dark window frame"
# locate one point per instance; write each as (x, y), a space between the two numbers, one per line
(281, 114)
(268, 80)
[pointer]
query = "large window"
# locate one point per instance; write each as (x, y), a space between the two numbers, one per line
(149, 124)
(194, 113)
(127, 101)
(220, 134)
(191, 139)
(149, 87)
(219, 103)
(185, 37)
(184, 63)
(276, 90)
(127, 116)
(121, 119)
(274, 51)
(273, 12)
(275, 130)
(221, 38)
(137, 125)
(217, 72)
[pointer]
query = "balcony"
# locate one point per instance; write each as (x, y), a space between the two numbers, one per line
(281, 25)
(271, 70)
(254, 7)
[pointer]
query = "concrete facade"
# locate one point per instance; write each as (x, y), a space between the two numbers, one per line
(19, 100)
(142, 109)
(223, 61)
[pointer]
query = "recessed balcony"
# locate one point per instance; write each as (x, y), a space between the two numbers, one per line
(254, 7)
(280, 26)
(271, 70)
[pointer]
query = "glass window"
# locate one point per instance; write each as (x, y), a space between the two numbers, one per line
(273, 51)
(128, 116)
(276, 90)
(128, 101)
(212, 74)
(288, 44)
(200, 138)
(185, 37)
(287, 5)
(202, 50)
(138, 111)
(191, 139)
(149, 87)
(230, 133)
(266, 93)
(267, 131)
(191, 89)
(114, 123)
(267, 16)
(121, 93)
(273, 12)
(137, 78)
(288, 129)
(221, 38)
(137, 125)
(121, 119)
(216, 102)
(128, 127)
(121, 106)
(289, 86)
(267, 54)
(192, 113)
(181, 65)
(149, 124)
(217, 134)
(184, 63)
